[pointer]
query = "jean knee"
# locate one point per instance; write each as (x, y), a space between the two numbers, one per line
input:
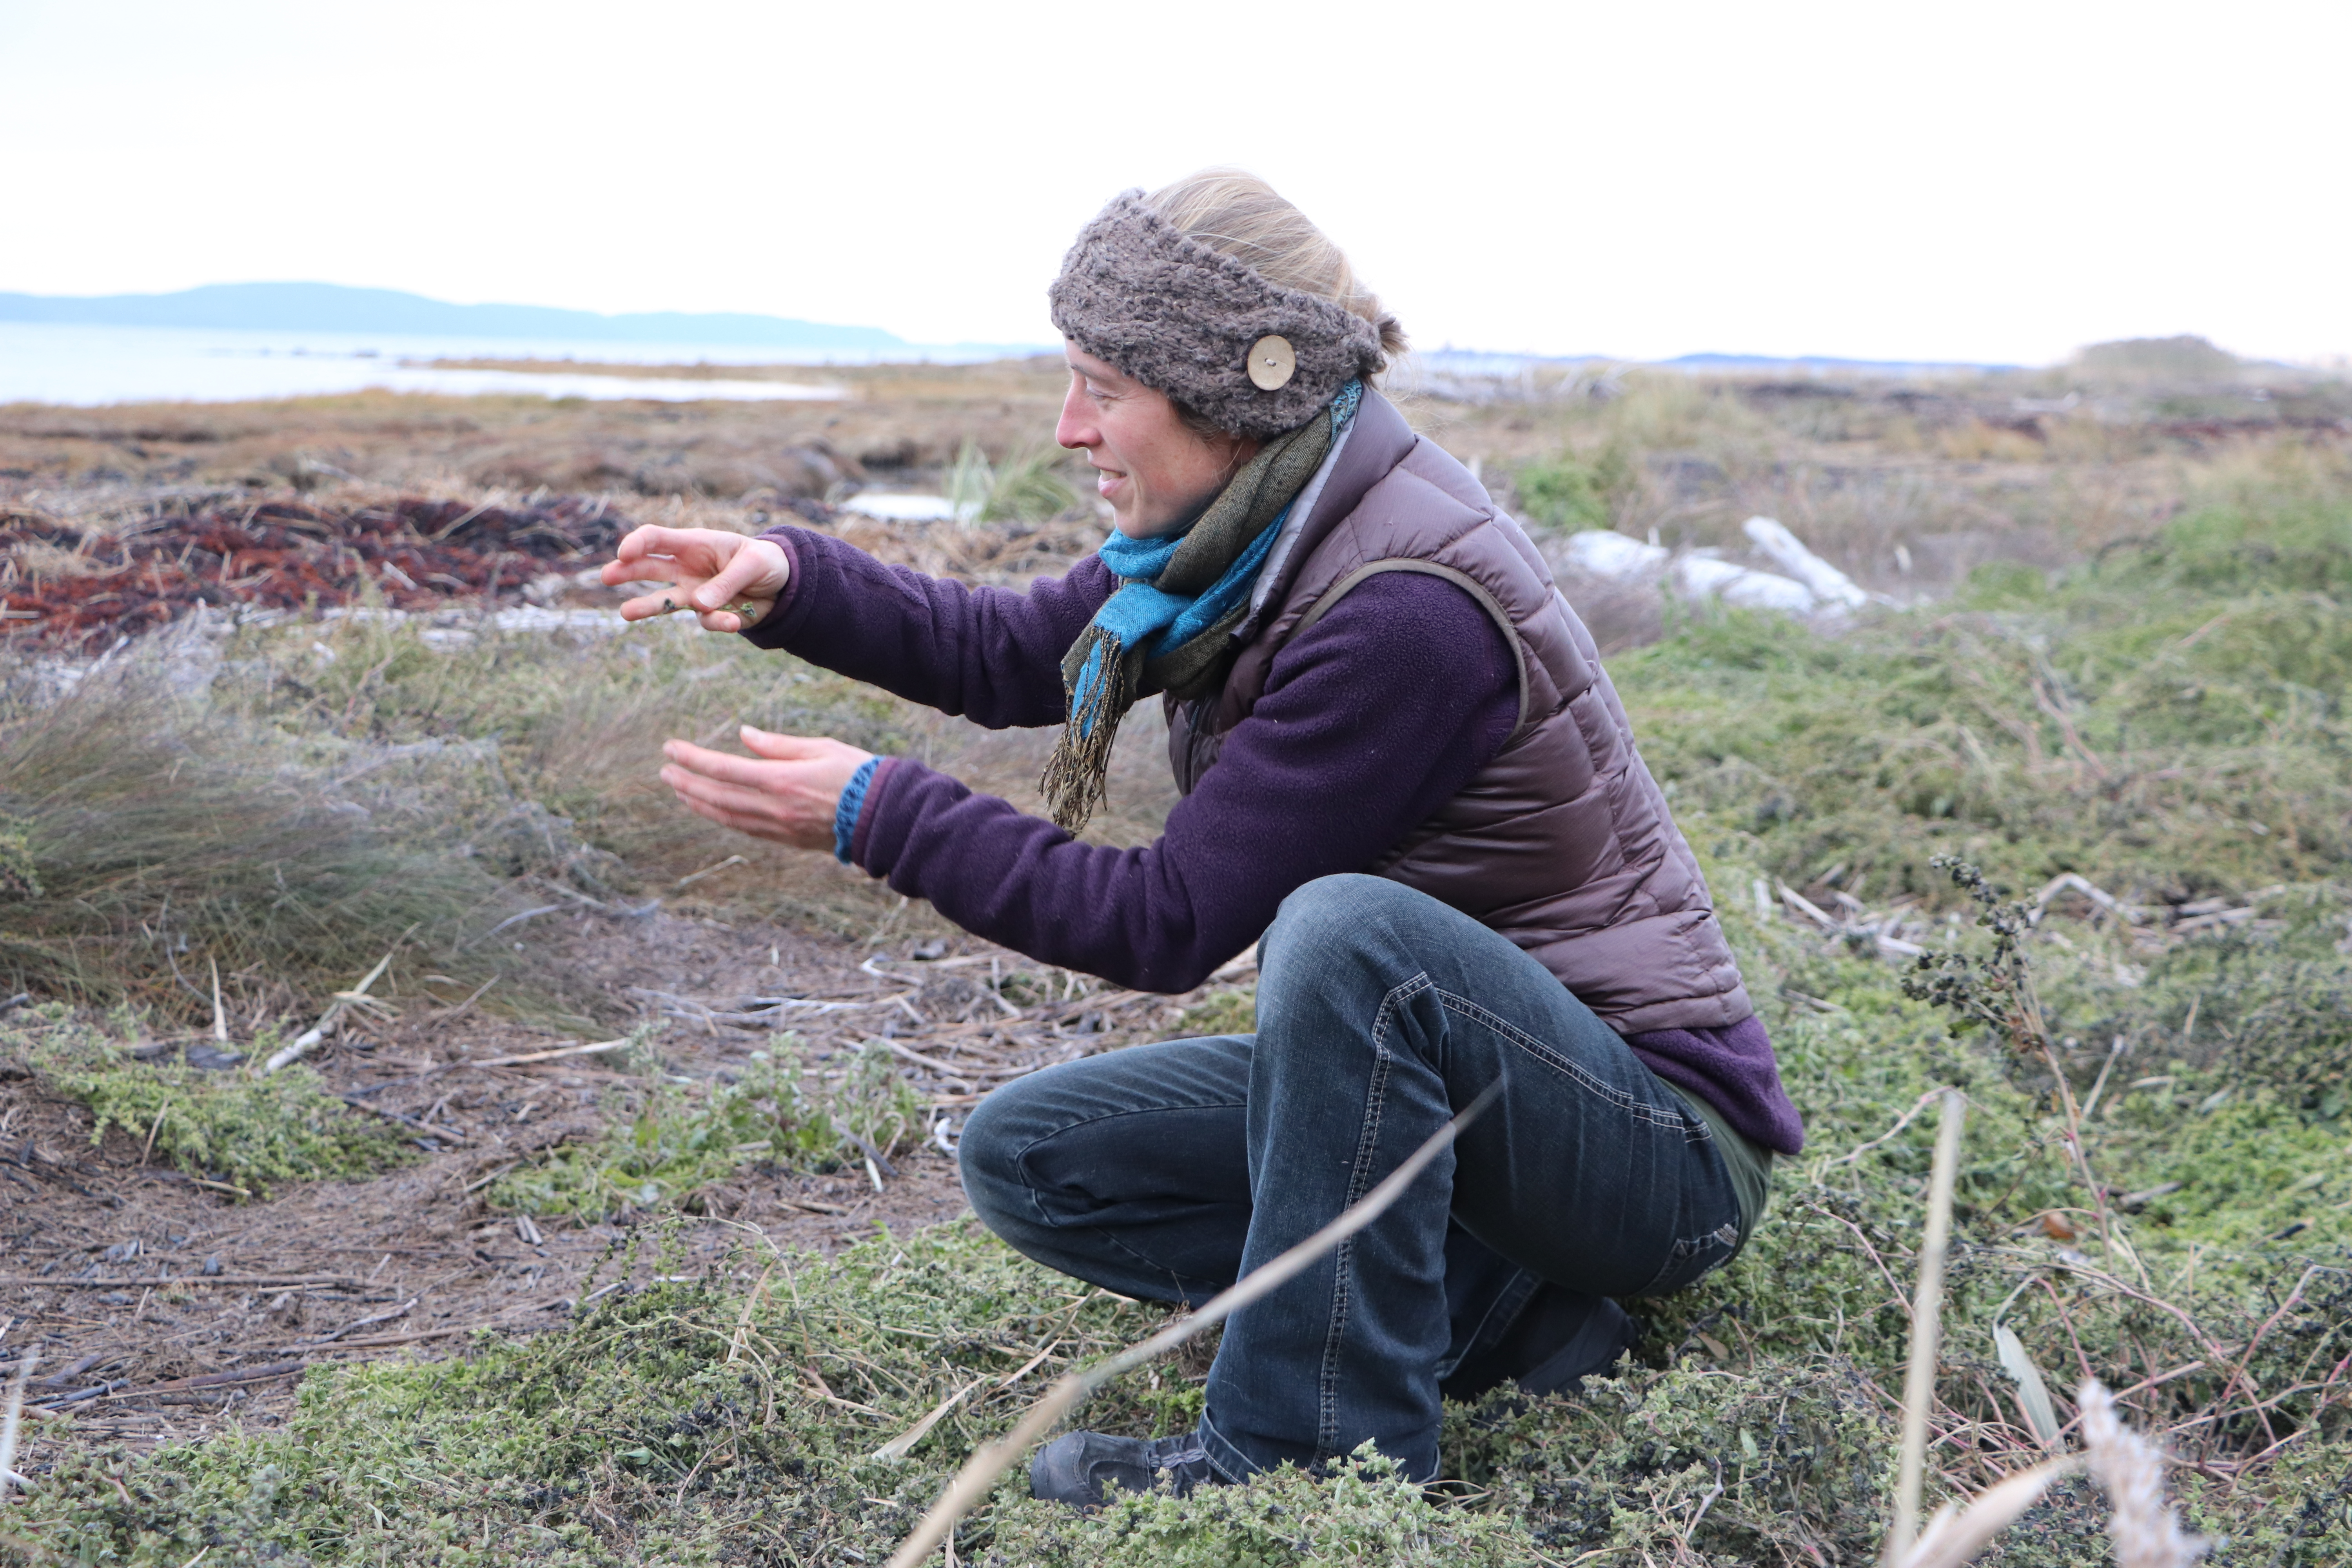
(989, 1160)
(1345, 924)
(1335, 909)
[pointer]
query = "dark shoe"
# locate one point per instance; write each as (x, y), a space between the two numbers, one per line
(1077, 1468)
(1560, 1337)
(1607, 1332)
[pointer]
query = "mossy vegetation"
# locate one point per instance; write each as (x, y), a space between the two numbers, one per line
(674, 1140)
(2156, 1187)
(249, 1134)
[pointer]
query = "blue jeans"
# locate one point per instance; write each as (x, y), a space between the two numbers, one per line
(1167, 1171)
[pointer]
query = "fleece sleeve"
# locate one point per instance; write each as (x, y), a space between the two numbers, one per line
(1369, 721)
(989, 654)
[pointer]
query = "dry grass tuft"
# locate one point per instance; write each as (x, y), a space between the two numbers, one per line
(2130, 1468)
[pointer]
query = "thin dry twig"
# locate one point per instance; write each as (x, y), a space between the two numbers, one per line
(1926, 1307)
(1901, 1122)
(10, 1416)
(1954, 1537)
(527, 1056)
(300, 1045)
(163, 1282)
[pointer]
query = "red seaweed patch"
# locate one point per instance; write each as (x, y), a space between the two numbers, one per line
(411, 554)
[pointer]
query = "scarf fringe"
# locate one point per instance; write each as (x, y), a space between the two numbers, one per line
(1077, 777)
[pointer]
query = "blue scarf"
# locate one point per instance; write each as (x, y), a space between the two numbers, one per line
(1171, 622)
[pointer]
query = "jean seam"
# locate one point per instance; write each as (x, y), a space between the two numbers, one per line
(1221, 1452)
(1326, 1423)
(1535, 1048)
(1021, 1156)
(1047, 1220)
(1507, 1304)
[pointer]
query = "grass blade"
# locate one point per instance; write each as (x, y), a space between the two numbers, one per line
(2032, 1390)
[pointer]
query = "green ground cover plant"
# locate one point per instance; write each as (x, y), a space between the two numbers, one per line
(1566, 493)
(251, 1133)
(2155, 1185)
(677, 1139)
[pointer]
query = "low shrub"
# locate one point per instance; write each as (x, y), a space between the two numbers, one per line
(231, 1127)
(680, 1138)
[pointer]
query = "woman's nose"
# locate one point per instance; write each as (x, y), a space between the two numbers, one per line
(1075, 429)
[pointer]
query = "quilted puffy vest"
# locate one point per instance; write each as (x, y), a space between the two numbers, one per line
(1563, 842)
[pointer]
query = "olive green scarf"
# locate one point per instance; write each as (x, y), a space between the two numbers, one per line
(1169, 623)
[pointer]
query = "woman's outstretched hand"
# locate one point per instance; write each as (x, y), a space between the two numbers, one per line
(730, 583)
(788, 790)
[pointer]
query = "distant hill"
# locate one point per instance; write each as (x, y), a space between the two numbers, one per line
(2182, 358)
(330, 308)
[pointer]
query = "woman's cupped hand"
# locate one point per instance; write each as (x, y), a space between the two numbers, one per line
(787, 789)
(790, 787)
(728, 581)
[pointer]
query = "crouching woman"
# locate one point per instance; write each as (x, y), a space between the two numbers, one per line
(1405, 775)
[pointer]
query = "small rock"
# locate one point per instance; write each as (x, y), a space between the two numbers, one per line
(212, 1264)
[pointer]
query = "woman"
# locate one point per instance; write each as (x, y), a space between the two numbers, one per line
(1403, 764)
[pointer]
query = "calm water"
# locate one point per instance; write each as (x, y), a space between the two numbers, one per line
(41, 362)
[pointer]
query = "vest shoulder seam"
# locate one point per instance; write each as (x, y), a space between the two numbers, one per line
(1462, 580)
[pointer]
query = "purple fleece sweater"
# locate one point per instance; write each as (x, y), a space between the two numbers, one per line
(1393, 748)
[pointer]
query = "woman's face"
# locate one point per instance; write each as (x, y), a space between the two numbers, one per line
(1155, 471)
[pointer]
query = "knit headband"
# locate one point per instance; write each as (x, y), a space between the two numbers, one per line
(1213, 332)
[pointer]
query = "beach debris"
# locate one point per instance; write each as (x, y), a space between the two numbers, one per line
(1825, 583)
(1605, 554)
(288, 556)
(1704, 575)
(893, 507)
(1804, 584)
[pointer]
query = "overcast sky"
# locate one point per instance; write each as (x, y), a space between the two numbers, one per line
(1988, 182)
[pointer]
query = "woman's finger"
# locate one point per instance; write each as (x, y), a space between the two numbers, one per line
(748, 566)
(750, 802)
(725, 766)
(653, 539)
(781, 748)
(662, 602)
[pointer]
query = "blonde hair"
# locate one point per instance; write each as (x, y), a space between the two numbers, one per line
(1234, 211)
